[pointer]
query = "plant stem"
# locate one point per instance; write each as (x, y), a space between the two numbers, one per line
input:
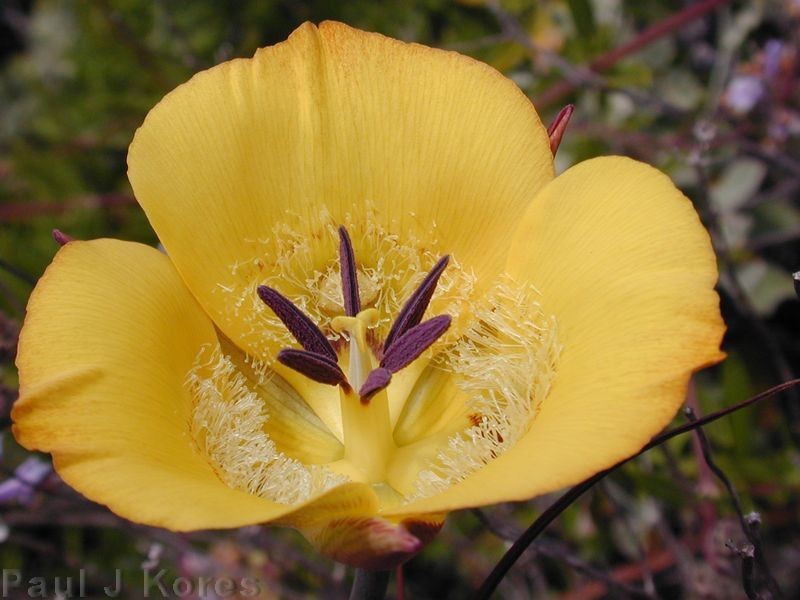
(369, 585)
(749, 532)
(554, 510)
(604, 62)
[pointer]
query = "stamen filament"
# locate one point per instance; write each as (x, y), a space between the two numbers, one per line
(366, 424)
(368, 441)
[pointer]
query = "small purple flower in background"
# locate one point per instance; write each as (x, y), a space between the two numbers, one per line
(27, 477)
(755, 79)
(743, 93)
(773, 53)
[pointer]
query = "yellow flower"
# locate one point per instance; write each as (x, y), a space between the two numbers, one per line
(561, 333)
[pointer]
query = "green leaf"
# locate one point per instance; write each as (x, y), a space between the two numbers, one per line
(583, 17)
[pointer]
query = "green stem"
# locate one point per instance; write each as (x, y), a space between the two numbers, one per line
(369, 585)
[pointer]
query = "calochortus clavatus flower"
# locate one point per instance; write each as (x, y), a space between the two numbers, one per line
(377, 305)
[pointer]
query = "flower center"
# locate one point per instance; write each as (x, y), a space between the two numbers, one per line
(361, 387)
(364, 406)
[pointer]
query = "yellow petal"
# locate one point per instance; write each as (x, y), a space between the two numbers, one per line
(110, 335)
(432, 404)
(429, 143)
(624, 265)
(293, 425)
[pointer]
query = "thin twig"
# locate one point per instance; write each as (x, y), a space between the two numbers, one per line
(562, 503)
(576, 76)
(749, 533)
(605, 61)
(510, 532)
(527, 538)
(746, 552)
(747, 575)
(706, 486)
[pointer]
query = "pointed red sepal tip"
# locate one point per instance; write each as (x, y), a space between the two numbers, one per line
(61, 238)
(559, 126)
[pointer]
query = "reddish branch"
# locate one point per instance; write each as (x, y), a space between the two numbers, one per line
(605, 61)
(22, 211)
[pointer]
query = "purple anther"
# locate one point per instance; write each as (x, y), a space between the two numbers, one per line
(347, 265)
(414, 309)
(314, 366)
(377, 380)
(414, 342)
(299, 325)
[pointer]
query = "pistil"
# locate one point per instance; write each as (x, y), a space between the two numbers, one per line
(355, 330)
(367, 428)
